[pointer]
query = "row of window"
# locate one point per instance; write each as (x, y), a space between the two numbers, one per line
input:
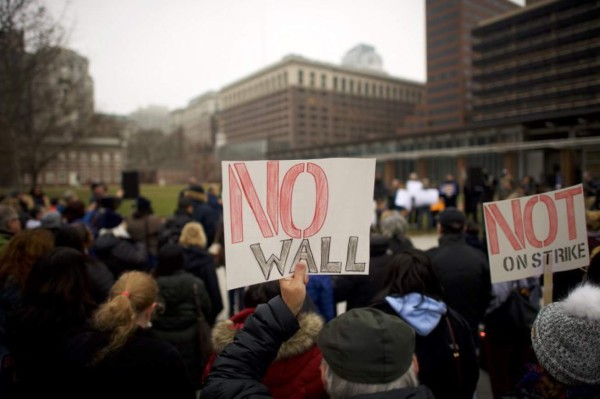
(360, 87)
(91, 156)
(315, 80)
(63, 177)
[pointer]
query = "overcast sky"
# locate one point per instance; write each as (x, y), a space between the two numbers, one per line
(165, 52)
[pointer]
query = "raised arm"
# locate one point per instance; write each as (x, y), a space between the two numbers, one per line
(238, 370)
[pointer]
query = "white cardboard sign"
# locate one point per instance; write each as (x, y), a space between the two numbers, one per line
(527, 235)
(279, 213)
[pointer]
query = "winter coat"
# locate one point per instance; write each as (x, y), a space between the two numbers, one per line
(175, 320)
(10, 301)
(295, 372)
(145, 367)
(202, 265)
(320, 290)
(437, 365)
(145, 230)
(240, 367)
(101, 279)
(537, 383)
(39, 343)
(464, 274)
(205, 215)
(120, 254)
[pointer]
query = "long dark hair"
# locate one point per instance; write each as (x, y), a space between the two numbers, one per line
(57, 291)
(411, 271)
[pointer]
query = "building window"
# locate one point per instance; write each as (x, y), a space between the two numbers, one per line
(358, 88)
(343, 84)
(300, 77)
(335, 83)
(106, 157)
(351, 86)
(323, 81)
(312, 79)
(374, 89)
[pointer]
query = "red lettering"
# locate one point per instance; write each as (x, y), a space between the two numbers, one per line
(237, 225)
(287, 188)
(552, 221)
(494, 217)
(279, 200)
(321, 200)
(568, 195)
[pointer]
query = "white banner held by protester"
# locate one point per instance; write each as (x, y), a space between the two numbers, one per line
(278, 213)
(526, 235)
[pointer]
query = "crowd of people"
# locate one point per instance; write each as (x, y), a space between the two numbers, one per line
(419, 199)
(95, 304)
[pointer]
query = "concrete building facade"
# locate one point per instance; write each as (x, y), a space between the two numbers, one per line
(298, 103)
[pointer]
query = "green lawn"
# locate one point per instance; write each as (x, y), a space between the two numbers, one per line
(164, 199)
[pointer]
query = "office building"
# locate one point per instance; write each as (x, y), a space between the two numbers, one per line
(298, 103)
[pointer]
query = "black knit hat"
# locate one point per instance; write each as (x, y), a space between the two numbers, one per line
(367, 346)
(452, 219)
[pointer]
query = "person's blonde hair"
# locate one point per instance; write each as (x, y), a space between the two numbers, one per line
(132, 293)
(193, 235)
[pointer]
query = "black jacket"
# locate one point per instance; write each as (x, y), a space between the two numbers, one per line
(437, 366)
(175, 319)
(202, 265)
(465, 277)
(120, 254)
(145, 367)
(238, 370)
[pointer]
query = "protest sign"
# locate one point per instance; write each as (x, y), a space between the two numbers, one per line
(279, 213)
(527, 235)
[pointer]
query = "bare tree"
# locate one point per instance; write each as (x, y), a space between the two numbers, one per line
(149, 149)
(45, 91)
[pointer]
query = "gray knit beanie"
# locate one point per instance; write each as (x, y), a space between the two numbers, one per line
(566, 337)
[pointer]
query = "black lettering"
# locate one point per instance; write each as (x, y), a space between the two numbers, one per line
(326, 266)
(560, 255)
(509, 264)
(351, 265)
(521, 261)
(267, 265)
(547, 257)
(305, 253)
(536, 259)
(581, 250)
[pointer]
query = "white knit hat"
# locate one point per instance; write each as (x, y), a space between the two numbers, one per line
(566, 337)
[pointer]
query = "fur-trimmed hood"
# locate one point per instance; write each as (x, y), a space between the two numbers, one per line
(196, 196)
(310, 326)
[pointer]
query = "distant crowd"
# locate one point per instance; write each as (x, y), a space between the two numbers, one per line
(97, 304)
